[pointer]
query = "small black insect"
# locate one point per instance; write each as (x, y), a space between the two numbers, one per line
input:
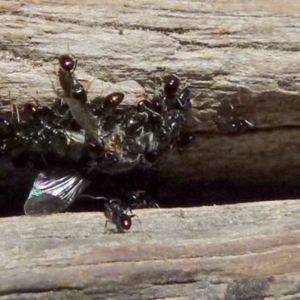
(71, 144)
(112, 100)
(140, 199)
(232, 123)
(116, 214)
(171, 85)
(171, 97)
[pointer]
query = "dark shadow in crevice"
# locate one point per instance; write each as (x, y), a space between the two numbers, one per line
(166, 192)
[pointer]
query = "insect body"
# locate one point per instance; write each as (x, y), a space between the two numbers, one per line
(107, 139)
(115, 213)
(140, 199)
(232, 123)
(37, 137)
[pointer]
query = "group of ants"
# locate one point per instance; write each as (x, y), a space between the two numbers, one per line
(116, 211)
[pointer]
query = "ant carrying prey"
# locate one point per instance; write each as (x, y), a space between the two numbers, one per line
(70, 142)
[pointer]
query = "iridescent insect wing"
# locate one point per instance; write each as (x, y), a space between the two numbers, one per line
(52, 194)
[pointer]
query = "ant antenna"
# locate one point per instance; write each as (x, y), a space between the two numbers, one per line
(92, 197)
(14, 110)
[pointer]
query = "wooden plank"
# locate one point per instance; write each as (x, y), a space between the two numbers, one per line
(238, 52)
(217, 252)
(244, 53)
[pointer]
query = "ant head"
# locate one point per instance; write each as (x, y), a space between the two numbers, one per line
(113, 99)
(67, 63)
(126, 221)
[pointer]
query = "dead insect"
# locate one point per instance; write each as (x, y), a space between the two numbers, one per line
(108, 139)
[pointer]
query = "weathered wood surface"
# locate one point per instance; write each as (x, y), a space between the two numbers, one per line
(224, 50)
(243, 251)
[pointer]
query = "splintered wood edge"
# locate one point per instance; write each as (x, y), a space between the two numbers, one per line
(224, 249)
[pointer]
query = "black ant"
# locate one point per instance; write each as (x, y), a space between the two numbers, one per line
(76, 96)
(233, 124)
(140, 199)
(115, 213)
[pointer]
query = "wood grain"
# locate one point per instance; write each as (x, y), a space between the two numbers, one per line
(217, 252)
(244, 53)
(238, 52)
